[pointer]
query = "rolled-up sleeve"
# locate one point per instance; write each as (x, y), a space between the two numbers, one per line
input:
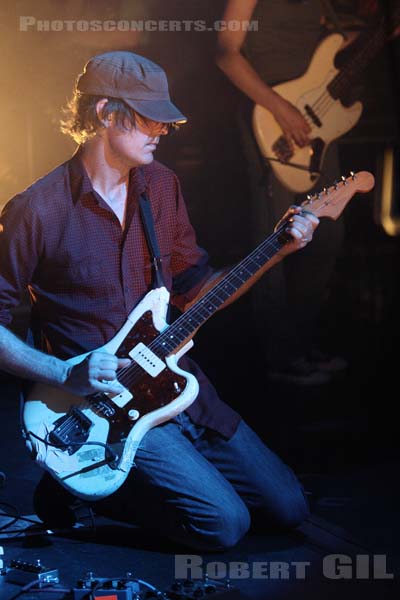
(20, 247)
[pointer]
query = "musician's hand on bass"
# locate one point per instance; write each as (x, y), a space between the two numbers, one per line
(294, 126)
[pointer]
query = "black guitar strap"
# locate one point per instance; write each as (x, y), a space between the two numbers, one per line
(151, 238)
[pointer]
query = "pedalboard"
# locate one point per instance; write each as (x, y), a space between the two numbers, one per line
(94, 588)
(91, 587)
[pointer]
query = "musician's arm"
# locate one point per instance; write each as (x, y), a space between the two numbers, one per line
(231, 60)
(20, 248)
(218, 275)
(20, 359)
(238, 69)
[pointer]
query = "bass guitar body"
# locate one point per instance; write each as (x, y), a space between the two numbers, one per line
(299, 169)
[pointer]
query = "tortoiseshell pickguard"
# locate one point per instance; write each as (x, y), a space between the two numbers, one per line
(149, 393)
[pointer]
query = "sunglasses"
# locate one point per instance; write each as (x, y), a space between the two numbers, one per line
(156, 128)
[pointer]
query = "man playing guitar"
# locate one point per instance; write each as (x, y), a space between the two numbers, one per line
(75, 239)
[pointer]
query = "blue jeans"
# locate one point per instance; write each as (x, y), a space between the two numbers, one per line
(199, 489)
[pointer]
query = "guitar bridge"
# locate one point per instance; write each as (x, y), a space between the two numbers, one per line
(71, 431)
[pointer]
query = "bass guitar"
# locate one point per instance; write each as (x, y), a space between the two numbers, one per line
(320, 96)
(88, 444)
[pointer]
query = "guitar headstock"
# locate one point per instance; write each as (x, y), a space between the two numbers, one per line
(330, 202)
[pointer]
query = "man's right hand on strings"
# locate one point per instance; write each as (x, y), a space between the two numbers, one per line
(97, 373)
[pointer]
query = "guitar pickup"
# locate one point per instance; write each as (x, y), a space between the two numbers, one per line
(147, 359)
(313, 116)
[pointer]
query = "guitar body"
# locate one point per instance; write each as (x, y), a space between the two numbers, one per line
(120, 421)
(331, 120)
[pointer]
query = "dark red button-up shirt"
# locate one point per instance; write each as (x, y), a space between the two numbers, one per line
(85, 273)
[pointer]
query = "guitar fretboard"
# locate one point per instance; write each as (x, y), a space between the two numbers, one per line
(187, 324)
(371, 43)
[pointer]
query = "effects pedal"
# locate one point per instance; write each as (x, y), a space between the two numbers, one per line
(22, 572)
(93, 588)
(196, 590)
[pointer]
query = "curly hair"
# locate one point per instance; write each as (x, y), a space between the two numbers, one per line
(82, 121)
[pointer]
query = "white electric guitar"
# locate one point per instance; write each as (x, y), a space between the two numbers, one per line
(318, 95)
(88, 444)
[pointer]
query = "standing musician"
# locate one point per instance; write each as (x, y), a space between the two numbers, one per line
(289, 303)
(76, 240)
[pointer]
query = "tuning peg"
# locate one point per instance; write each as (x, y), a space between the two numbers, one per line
(352, 175)
(335, 184)
(344, 180)
(326, 191)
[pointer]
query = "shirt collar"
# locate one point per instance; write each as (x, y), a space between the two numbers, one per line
(81, 185)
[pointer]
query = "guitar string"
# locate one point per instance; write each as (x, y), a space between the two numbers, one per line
(69, 423)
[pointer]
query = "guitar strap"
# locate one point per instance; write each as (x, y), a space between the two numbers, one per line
(151, 238)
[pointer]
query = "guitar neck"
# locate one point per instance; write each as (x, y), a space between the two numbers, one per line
(183, 329)
(370, 44)
(329, 203)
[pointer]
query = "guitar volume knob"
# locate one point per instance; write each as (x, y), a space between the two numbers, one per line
(133, 414)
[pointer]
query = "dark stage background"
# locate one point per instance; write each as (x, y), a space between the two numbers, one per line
(327, 430)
